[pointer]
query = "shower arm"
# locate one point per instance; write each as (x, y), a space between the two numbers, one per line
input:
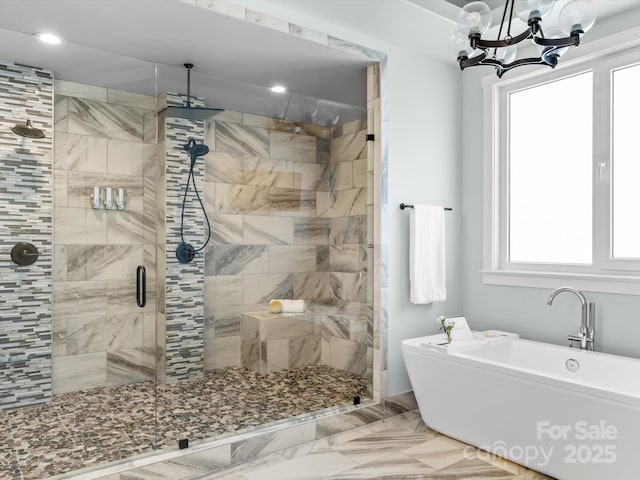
(188, 66)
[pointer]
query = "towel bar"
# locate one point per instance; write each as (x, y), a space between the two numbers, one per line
(406, 205)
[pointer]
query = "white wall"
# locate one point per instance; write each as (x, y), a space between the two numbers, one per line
(524, 310)
(424, 141)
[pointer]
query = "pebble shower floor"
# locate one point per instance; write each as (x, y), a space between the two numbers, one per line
(98, 426)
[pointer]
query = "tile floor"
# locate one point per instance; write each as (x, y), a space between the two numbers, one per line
(102, 425)
(401, 447)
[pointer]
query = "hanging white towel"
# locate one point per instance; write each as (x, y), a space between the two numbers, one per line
(426, 254)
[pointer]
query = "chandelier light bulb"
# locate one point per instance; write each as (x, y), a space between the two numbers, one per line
(475, 17)
(526, 9)
(577, 15)
(460, 46)
(507, 55)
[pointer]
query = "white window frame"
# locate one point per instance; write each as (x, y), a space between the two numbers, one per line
(606, 274)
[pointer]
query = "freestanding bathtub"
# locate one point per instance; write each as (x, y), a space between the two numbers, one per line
(568, 413)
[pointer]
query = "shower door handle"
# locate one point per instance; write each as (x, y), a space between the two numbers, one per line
(141, 286)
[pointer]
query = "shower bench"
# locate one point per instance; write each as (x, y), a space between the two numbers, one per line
(272, 342)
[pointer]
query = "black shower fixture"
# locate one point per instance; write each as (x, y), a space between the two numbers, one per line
(185, 251)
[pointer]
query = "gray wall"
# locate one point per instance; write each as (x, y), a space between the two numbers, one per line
(524, 310)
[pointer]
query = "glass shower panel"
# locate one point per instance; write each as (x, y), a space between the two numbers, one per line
(77, 345)
(285, 191)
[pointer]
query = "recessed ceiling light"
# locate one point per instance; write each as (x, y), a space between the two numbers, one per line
(48, 38)
(278, 89)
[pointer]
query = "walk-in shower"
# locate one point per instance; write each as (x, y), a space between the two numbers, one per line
(226, 209)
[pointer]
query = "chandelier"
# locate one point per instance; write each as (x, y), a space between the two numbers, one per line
(575, 18)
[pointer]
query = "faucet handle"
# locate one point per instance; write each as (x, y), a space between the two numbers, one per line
(591, 325)
(575, 338)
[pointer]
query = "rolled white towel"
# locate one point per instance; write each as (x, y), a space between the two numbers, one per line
(278, 305)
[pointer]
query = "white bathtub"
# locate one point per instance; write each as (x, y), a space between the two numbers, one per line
(520, 401)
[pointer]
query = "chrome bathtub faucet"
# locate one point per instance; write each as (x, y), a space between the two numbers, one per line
(588, 320)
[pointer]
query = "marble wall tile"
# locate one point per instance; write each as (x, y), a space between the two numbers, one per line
(304, 351)
(227, 229)
(292, 258)
(90, 117)
(322, 258)
(277, 354)
(278, 326)
(308, 34)
(354, 287)
(348, 258)
(121, 295)
(323, 151)
(311, 231)
(354, 126)
(349, 356)
(360, 179)
(335, 286)
(242, 139)
(79, 372)
(268, 172)
(262, 288)
(130, 99)
(335, 326)
(312, 287)
(287, 146)
(150, 127)
(250, 346)
(130, 365)
(222, 352)
(224, 167)
(126, 227)
(229, 116)
(341, 176)
(342, 203)
(267, 21)
(60, 113)
(81, 153)
(249, 199)
(241, 259)
(307, 176)
(267, 230)
(349, 147)
(102, 262)
(79, 90)
(129, 158)
(292, 202)
(60, 188)
(223, 7)
(79, 299)
(225, 319)
(222, 290)
(348, 230)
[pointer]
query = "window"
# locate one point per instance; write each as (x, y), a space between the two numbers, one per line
(564, 177)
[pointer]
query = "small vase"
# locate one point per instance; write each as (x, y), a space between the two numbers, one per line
(449, 337)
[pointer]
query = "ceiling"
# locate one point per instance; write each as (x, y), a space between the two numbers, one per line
(449, 8)
(122, 43)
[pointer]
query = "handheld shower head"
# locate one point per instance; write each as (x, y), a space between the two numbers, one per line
(195, 149)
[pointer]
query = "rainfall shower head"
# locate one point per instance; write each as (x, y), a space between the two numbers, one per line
(28, 131)
(188, 112)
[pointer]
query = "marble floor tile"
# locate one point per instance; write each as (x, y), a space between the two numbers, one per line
(396, 466)
(379, 444)
(471, 469)
(314, 466)
(440, 452)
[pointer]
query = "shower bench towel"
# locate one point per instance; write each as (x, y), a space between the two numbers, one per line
(426, 254)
